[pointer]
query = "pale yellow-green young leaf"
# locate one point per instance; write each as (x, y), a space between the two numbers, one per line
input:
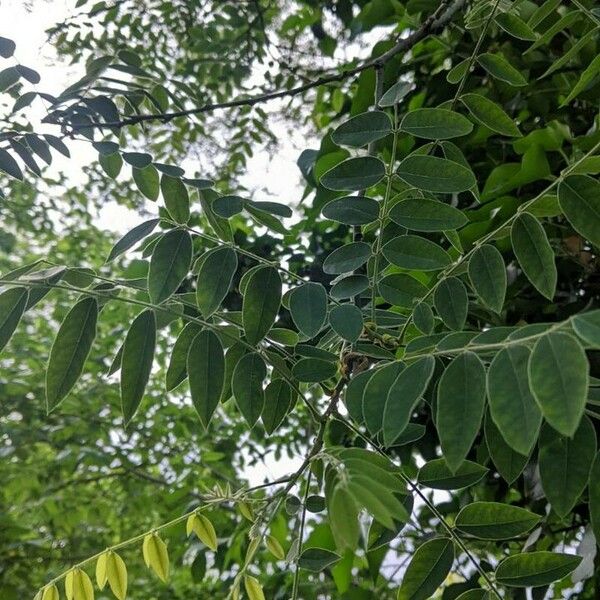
(50, 593)
(253, 588)
(252, 546)
(189, 525)
(38, 596)
(235, 592)
(78, 585)
(246, 511)
(101, 570)
(156, 556)
(116, 572)
(204, 529)
(274, 547)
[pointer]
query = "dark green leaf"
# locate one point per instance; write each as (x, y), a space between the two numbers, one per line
(434, 174)
(169, 265)
(427, 570)
(579, 198)
(9, 165)
(139, 232)
(228, 206)
(424, 214)
(534, 253)
(403, 396)
(488, 276)
(452, 302)
(435, 124)
(352, 210)
(262, 299)
(136, 363)
(565, 465)
(247, 386)
(414, 252)
(347, 258)
(177, 370)
(535, 569)
(488, 113)
(508, 462)
(313, 370)
(12, 305)
(495, 521)
(347, 321)
(354, 174)
(515, 26)
(587, 327)
(279, 399)
(436, 474)
(401, 289)
(423, 318)
(363, 129)
(206, 369)
(147, 181)
(395, 93)
(70, 350)
(214, 279)
(308, 307)
(460, 404)
(350, 286)
(176, 197)
(497, 66)
(7, 47)
(558, 378)
(317, 559)
(375, 394)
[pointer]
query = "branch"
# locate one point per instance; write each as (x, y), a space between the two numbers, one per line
(436, 21)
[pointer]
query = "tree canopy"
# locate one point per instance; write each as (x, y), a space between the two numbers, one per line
(414, 328)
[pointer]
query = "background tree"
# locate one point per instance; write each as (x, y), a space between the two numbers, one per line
(419, 330)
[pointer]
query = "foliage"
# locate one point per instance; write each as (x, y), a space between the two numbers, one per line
(420, 332)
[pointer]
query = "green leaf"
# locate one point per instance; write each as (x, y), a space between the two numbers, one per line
(534, 253)
(375, 394)
(147, 181)
(112, 164)
(350, 286)
(347, 258)
(579, 198)
(347, 321)
(363, 129)
(262, 299)
(247, 386)
(279, 399)
(177, 369)
(156, 555)
(136, 363)
(169, 265)
(515, 26)
(535, 569)
(511, 400)
(317, 559)
(206, 369)
(313, 370)
(508, 462)
(414, 252)
(9, 165)
(587, 327)
(308, 307)
(12, 306)
(497, 66)
(558, 378)
(460, 404)
(353, 395)
(424, 214)
(70, 350)
(434, 174)
(495, 521)
(435, 124)
(423, 318)
(436, 474)
(352, 210)
(214, 279)
(395, 93)
(488, 276)
(228, 206)
(594, 496)
(7, 47)
(489, 114)
(176, 197)
(343, 518)
(565, 465)
(452, 302)
(401, 289)
(427, 570)
(354, 174)
(586, 78)
(403, 396)
(273, 208)
(139, 232)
